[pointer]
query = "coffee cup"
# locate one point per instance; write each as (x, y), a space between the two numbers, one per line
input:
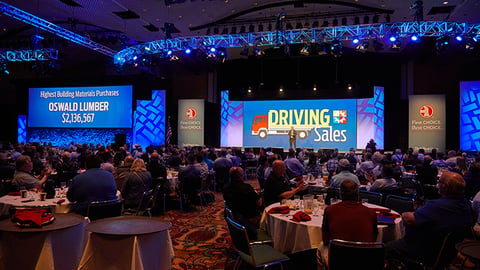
(43, 196)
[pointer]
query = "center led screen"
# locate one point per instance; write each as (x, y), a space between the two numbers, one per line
(319, 123)
(81, 107)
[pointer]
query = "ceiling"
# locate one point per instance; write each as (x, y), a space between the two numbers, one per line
(101, 20)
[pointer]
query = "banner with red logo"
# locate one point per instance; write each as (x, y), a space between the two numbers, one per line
(191, 122)
(426, 122)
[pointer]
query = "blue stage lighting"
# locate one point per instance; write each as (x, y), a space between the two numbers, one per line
(355, 40)
(169, 52)
(414, 37)
(135, 58)
(392, 38)
(212, 49)
(458, 38)
(188, 50)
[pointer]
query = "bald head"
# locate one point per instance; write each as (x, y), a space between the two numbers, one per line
(451, 183)
(278, 168)
(349, 190)
(236, 174)
(128, 161)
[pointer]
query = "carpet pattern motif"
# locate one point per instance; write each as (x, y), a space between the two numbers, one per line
(200, 238)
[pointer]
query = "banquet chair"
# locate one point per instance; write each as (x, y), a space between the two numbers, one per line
(446, 252)
(104, 209)
(145, 204)
(372, 197)
(399, 204)
(250, 168)
(256, 255)
(262, 236)
(355, 255)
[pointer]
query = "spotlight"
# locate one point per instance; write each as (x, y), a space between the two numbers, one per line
(169, 52)
(212, 49)
(355, 40)
(336, 48)
(305, 50)
(211, 52)
(135, 58)
(362, 46)
(441, 44)
(314, 87)
(414, 37)
(188, 50)
(396, 45)
(221, 54)
(249, 90)
(244, 51)
(258, 52)
(458, 38)
(392, 38)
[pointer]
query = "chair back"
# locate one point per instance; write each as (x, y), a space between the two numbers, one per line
(332, 193)
(239, 237)
(104, 209)
(448, 250)
(430, 192)
(146, 203)
(355, 255)
(399, 204)
(372, 197)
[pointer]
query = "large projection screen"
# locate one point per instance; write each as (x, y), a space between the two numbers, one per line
(80, 107)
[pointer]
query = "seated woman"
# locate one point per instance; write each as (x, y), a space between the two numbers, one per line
(387, 182)
(137, 181)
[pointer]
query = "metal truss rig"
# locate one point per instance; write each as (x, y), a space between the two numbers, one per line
(327, 34)
(52, 28)
(29, 55)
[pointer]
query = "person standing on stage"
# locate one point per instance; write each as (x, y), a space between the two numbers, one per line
(292, 137)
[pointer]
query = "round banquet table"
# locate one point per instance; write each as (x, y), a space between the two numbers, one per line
(290, 237)
(128, 243)
(8, 201)
(58, 245)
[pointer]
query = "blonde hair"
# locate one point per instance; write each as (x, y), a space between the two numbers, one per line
(138, 165)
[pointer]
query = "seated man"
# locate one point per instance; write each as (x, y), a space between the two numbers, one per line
(277, 187)
(348, 220)
(345, 173)
(190, 180)
(426, 228)
(23, 176)
(244, 202)
(95, 184)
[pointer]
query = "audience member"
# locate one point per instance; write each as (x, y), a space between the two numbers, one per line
(121, 172)
(262, 166)
(277, 186)
(294, 166)
(426, 173)
(313, 167)
(6, 169)
(137, 181)
(348, 220)
(426, 228)
(155, 168)
(476, 213)
(472, 180)
(345, 173)
(95, 184)
(222, 166)
(386, 182)
(244, 202)
(23, 176)
(190, 180)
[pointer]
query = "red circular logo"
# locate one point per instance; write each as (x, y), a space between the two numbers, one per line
(426, 111)
(191, 113)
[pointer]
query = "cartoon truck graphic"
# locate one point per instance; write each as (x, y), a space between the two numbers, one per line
(262, 127)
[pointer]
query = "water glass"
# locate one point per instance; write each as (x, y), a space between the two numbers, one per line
(296, 200)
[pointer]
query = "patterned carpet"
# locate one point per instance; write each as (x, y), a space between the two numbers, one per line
(200, 238)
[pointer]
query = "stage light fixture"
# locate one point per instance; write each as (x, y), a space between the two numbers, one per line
(459, 38)
(362, 46)
(392, 38)
(336, 48)
(441, 44)
(258, 52)
(188, 50)
(305, 50)
(414, 37)
(355, 40)
(244, 51)
(314, 87)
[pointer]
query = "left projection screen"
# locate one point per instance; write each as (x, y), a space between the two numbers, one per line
(80, 107)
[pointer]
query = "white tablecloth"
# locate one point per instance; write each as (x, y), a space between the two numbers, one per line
(8, 201)
(290, 237)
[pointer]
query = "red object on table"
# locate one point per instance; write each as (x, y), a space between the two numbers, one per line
(279, 210)
(301, 216)
(15, 193)
(33, 218)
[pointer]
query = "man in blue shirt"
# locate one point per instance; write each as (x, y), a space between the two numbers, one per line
(294, 166)
(426, 228)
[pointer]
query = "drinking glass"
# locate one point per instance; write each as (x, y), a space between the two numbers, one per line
(316, 208)
(364, 201)
(296, 200)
